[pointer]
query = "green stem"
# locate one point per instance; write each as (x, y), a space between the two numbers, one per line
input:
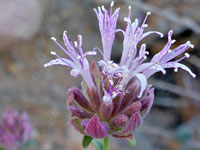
(106, 143)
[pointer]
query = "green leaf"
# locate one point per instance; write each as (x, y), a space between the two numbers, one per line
(1, 148)
(86, 141)
(132, 142)
(98, 144)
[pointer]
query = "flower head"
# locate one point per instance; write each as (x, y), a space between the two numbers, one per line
(15, 129)
(115, 100)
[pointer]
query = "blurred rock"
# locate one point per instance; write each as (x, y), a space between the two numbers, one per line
(19, 21)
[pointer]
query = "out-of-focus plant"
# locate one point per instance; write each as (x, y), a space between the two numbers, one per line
(15, 130)
(115, 100)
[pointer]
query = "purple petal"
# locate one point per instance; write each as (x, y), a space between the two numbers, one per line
(178, 65)
(151, 70)
(152, 32)
(75, 72)
(63, 61)
(107, 27)
(176, 52)
(158, 57)
(95, 129)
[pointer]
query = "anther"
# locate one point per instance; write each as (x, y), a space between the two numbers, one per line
(176, 70)
(149, 13)
(75, 44)
(53, 38)
(187, 55)
(112, 4)
(53, 53)
(103, 8)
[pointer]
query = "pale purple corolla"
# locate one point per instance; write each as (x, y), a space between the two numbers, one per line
(115, 100)
(77, 61)
(107, 27)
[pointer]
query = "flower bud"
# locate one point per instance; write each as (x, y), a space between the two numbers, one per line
(76, 111)
(133, 108)
(75, 95)
(133, 123)
(120, 120)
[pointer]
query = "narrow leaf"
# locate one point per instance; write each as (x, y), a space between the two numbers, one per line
(132, 142)
(98, 144)
(86, 141)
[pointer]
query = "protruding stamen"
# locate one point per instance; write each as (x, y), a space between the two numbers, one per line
(127, 19)
(173, 41)
(80, 40)
(103, 8)
(148, 13)
(53, 38)
(190, 44)
(112, 4)
(145, 25)
(176, 70)
(79, 57)
(187, 55)
(169, 51)
(53, 53)
(75, 44)
(129, 14)
(111, 82)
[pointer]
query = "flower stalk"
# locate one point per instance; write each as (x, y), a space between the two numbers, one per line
(106, 143)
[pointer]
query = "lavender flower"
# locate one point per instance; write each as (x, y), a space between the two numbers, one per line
(15, 129)
(115, 100)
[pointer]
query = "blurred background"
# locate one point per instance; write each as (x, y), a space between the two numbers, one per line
(25, 31)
